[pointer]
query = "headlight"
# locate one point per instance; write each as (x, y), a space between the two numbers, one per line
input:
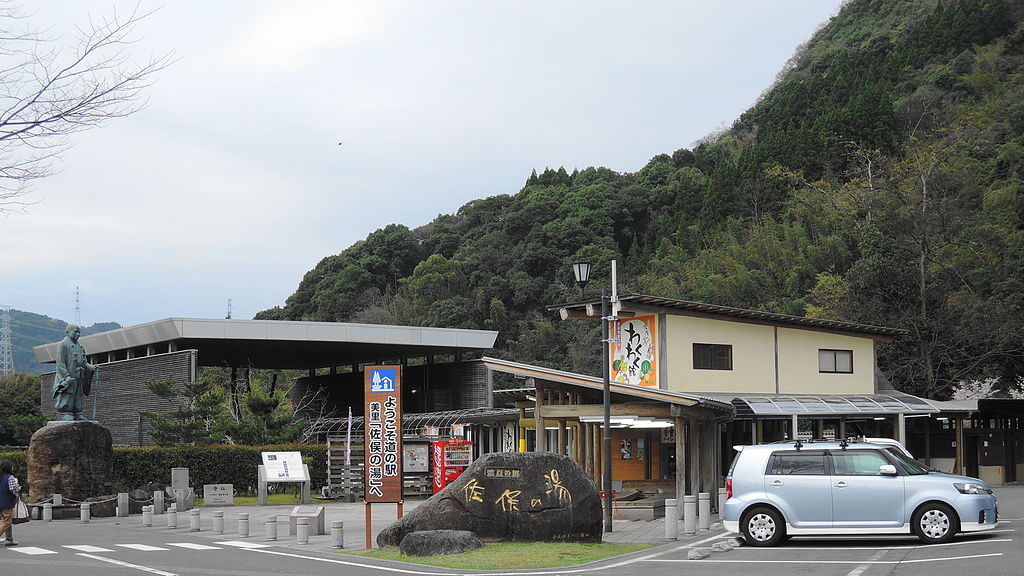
(971, 488)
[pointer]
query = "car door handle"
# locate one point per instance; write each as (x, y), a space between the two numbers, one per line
(841, 484)
(775, 483)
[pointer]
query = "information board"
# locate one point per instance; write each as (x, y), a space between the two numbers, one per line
(284, 467)
(382, 432)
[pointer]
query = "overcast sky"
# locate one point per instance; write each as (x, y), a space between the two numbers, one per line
(231, 182)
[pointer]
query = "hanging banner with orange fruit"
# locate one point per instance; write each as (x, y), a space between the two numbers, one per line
(634, 354)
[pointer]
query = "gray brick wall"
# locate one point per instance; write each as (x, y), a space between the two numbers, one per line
(122, 393)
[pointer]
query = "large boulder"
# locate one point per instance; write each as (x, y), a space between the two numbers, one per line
(511, 496)
(75, 459)
(436, 542)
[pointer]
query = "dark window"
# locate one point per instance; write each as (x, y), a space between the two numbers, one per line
(799, 463)
(712, 357)
(835, 361)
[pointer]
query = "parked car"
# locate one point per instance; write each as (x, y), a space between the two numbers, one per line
(848, 487)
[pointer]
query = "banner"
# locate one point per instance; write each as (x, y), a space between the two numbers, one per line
(634, 355)
(382, 432)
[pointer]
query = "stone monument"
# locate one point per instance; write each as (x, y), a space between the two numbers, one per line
(511, 496)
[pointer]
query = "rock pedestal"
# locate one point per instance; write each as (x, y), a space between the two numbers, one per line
(75, 459)
(526, 497)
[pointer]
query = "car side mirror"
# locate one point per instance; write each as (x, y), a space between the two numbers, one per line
(887, 470)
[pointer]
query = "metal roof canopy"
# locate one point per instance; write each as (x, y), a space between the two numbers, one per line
(281, 344)
(786, 405)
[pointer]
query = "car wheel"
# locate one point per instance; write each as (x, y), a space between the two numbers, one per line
(763, 526)
(935, 523)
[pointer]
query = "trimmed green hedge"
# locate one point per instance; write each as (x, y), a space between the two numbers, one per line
(213, 464)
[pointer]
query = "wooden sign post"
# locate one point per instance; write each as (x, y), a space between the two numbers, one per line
(382, 430)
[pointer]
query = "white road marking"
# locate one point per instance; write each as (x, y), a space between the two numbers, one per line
(87, 548)
(31, 550)
(905, 546)
(127, 565)
(243, 544)
(142, 547)
(876, 562)
(863, 567)
(192, 546)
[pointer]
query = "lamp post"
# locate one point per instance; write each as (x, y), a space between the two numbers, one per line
(582, 272)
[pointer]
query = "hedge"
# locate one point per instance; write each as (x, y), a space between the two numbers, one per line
(214, 464)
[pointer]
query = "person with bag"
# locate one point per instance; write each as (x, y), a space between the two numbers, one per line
(10, 496)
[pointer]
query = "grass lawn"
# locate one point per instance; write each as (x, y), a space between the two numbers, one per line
(513, 555)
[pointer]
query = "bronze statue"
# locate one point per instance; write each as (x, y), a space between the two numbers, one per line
(74, 376)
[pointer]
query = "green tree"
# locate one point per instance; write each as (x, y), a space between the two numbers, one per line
(195, 415)
(20, 415)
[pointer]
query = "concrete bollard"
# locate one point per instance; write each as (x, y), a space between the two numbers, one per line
(58, 499)
(172, 517)
(47, 512)
(337, 534)
(689, 515)
(86, 511)
(271, 525)
(158, 503)
(218, 522)
(122, 504)
(671, 519)
(722, 497)
(194, 520)
(243, 525)
(302, 530)
(704, 511)
(147, 516)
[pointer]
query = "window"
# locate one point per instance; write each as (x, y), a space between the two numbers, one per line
(712, 357)
(835, 361)
(853, 463)
(799, 463)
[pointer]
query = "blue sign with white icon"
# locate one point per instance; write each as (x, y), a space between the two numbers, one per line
(382, 380)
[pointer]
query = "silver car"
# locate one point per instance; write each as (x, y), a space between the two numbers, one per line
(816, 488)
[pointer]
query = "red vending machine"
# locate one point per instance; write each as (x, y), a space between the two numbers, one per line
(449, 459)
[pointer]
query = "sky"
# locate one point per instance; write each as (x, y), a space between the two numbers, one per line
(284, 132)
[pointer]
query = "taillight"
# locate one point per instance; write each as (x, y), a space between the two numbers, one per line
(728, 488)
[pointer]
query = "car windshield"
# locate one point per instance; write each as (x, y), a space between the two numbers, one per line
(913, 467)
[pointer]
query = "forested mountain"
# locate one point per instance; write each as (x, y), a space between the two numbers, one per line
(878, 181)
(29, 330)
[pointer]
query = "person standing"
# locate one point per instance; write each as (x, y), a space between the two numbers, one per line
(10, 491)
(74, 377)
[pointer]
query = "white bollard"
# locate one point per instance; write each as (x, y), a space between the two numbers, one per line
(689, 515)
(271, 525)
(302, 530)
(337, 534)
(123, 506)
(85, 509)
(243, 525)
(194, 520)
(58, 499)
(704, 510)
(158, 502)
(47, 512)
(218, 522)
(671, 519)
(722, 497)
(147, 516)
(172, 517)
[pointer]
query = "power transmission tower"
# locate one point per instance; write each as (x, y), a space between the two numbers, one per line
(78, 309)
(228, 317)
(6, 356)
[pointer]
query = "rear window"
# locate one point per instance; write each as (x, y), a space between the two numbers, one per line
(802, 463)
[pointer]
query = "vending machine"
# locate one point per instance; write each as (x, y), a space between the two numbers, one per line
(449, 459)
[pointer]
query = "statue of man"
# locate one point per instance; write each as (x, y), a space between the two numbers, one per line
(74, 376)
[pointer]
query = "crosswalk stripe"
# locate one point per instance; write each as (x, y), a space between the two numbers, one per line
(142, 547)
(31, 550)
(87, 548)
(192, 546)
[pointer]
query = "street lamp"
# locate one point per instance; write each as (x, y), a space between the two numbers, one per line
(582, 272)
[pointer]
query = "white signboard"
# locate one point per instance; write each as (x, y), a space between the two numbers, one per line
(284, 466)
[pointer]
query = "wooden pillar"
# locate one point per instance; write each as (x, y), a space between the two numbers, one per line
(598, 449)
(562, 437)
(680, 425)
(695, 440)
